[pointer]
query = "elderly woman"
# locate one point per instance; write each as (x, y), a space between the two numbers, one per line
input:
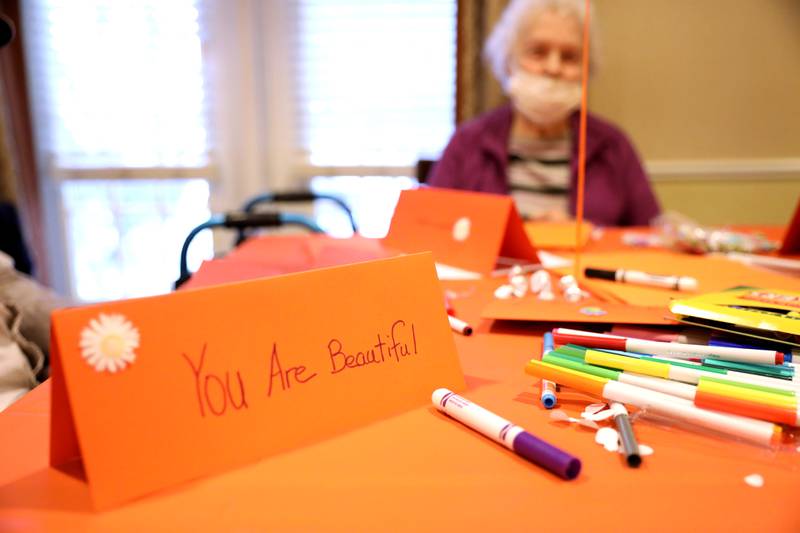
(530, 147)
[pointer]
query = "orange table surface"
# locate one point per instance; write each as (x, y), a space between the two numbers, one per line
(422, 471)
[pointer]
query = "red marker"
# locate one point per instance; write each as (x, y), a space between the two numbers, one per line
(668, 349)
(456, 324)
(448, 306)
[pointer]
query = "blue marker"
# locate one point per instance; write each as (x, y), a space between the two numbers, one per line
(548, 387)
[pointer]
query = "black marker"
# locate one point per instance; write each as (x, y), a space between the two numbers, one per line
(629, 444)
(459, 325)
(678, 283)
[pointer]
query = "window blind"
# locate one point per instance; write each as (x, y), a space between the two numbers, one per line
(119, 101)
(375, 80)
(118, 84)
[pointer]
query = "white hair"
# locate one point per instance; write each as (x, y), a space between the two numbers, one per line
(500, 44)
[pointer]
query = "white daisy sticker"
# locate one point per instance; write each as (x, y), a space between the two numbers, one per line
(461, 229)
(108, 342)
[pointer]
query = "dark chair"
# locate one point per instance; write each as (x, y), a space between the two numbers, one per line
(424, 168)
(240, 222)
(11, 240)
(293, 197)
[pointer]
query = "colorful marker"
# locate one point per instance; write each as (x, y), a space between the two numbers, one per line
(548, 396)
(509, 435)
(766, 403)
(732, 375)
(724, 341)
(784, 371)
(696, 370)
(456, 324)
(549, 388)
(678, 370)
(757, 431)
(629, 444)
(448, 305)
(755, 404)
(671, 349)
(673, 388)
(635, 277)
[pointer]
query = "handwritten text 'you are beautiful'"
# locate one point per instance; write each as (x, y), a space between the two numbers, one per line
(217, 393)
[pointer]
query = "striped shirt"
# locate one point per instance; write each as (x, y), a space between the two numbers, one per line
(538, 176)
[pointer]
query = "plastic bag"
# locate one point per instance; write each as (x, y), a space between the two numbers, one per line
(679, 232)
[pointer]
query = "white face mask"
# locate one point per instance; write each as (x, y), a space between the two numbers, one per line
(542, 99)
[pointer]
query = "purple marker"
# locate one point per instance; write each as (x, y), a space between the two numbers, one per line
(509, 435)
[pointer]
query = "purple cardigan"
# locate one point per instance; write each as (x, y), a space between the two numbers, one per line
(617, 191)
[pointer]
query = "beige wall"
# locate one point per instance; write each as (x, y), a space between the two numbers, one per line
(708, 82)
(714, 200)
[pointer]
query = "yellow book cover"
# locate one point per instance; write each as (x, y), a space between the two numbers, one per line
(773, 313)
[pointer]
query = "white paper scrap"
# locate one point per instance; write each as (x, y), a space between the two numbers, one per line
(593, 408)
(504, 292)
(596, 415)
(551, 261)
(447, 272)
(585, 422)
(644, 449)
(608, 438)
(755, 480)
(560, 416)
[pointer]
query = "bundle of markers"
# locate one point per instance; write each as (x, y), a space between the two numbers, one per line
(746, 393)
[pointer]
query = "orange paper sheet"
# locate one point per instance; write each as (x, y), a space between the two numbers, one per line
(633, 304)
(220, 377)
(271, 255)
(713, 274)
(218, 271)
(593, 310)
(314, 251)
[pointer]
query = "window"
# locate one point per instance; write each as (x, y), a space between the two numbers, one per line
(118, 92)
(145, 110)
(375, 93)
(375, 80)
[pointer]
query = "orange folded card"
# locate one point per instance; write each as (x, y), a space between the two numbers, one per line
(157, 391)
(468, 230)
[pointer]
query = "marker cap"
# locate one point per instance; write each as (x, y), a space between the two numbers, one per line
(548, 400)
(599, 273)
(546, 455)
